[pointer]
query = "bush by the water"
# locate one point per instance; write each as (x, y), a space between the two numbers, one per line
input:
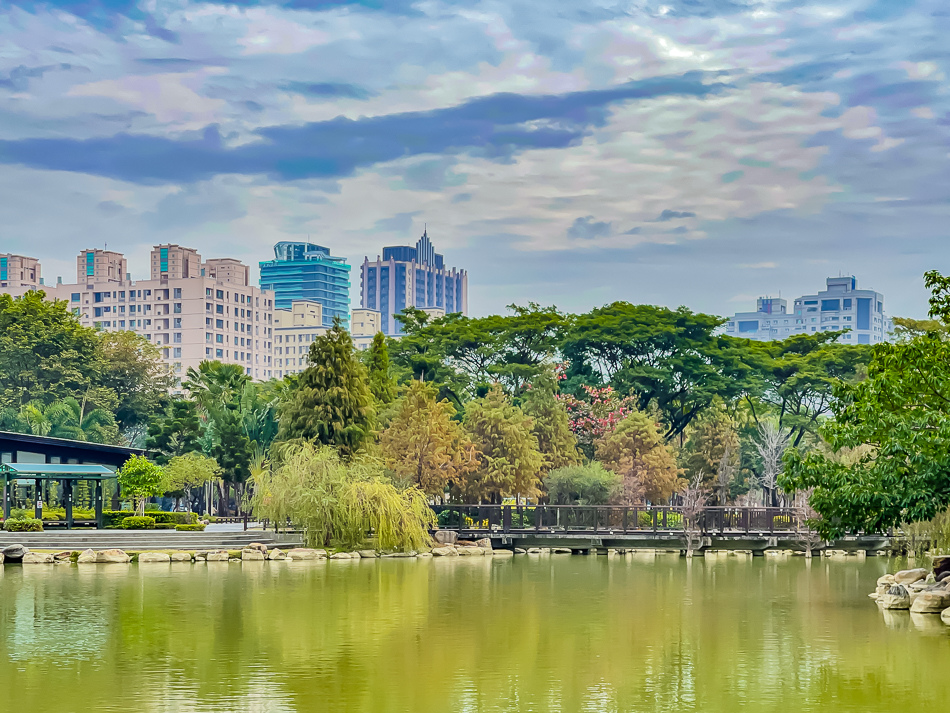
(190, 528)
(138, 523)
(165, 526)
(59, 513)
(25, 524)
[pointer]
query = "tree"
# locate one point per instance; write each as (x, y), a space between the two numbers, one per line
(381, 384)
(596, 414)
(186, 472)
(589, 484)
(771, 445)
(68, 418)
(712, 448)
(424, 446)
(636, 451)
(45, 354)
(509, 460)
(900, 413)
(332, 404)
(140, 479)
(338, 502)
(133, 369)
(550, 423)
(176, 433)
(693, 501)
(670, 359)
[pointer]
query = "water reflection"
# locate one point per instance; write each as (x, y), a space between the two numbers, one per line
(636, 632)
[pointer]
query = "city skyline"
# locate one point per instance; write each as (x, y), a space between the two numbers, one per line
(673, 152)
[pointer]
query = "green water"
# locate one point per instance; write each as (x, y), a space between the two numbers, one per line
(438, 636)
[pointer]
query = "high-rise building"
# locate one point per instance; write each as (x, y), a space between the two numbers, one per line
(19, 271)
(304, 271)
(840, 306)
(364, 325)
(294, 332)
(408, 276)
(190, 316)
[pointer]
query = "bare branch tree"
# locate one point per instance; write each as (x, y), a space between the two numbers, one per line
(771, 446)
(726, 472)
(804, 513)
(694, 496)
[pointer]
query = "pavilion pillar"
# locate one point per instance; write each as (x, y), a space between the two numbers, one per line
(98, 498)
(68, 502)
(38, 504)
(6, 497)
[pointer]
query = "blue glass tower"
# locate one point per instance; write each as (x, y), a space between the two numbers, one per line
(304, 271)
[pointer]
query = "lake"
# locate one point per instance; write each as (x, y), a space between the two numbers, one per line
(530, 633)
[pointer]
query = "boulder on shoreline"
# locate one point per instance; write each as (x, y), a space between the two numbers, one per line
(86, 557)
(37, 558)
(368, 554)
(276, 554)
(217, 556)
(484, 543)
(909, 576)
(444, 552)
(446, 537)
(897, 597)
(112, 557)
(14, 553)
(154, 558)
(306, 553)
(469, 551)
(931, 601)
(252, 555)
(181, 557)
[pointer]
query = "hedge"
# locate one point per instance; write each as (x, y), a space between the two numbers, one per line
(114, 518)
(138, 523)
(26, 524)
(190, 528)
(165, 526)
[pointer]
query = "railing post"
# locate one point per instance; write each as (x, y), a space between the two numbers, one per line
(596, 518)
(245, 522)
(537, 517)
(625, 521)
(506, 519)
(654, 513)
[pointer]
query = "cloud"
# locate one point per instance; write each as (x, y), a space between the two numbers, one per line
(328, 90)
(18, 78)
(587, 228)
(495, 126)
(674, 215)
(399, 223)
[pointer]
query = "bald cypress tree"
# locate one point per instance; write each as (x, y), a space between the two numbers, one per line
(381, 384)
(332, 403)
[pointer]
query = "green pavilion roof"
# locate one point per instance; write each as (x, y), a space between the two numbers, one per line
(56, 471)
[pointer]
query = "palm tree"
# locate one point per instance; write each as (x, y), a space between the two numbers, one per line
(81, 421)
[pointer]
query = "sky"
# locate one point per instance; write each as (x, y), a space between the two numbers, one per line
(672, 152)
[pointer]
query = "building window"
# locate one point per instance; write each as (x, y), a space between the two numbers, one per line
(177, 293)
(219, 324)
(219, 353)
(219, 309)
(219, 338)
(176, 337)
(176, 322)
(74, 297)
(176, 352)
(219, 294)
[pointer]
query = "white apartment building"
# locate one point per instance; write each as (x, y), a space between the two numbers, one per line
(294, 332)
(190, 316)
(840, 306)
(19, 271)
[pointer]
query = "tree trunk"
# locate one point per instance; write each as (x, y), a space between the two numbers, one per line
(223, 504)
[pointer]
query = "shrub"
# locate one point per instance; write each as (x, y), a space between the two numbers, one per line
(25, 524)
(114, 518)
(20, 514)
(190, 528)
(138, 523)
(165, 526)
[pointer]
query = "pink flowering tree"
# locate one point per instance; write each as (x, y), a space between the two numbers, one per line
(596, 413)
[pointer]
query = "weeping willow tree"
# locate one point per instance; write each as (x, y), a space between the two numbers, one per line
(340, 503)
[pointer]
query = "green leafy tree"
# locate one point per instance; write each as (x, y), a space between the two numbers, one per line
(424, 445)
(337, 502)
(332, 403)
(186, 472)
(898, 420)
(140, 479)
(509, 460)
(45, 354)
(133, 369)
(176, 433)
(550, 423)
(381, 384)
(637, 452)
(589, 484)
(712, 438)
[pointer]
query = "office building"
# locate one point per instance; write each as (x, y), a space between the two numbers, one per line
(295, 329)
(364, 325)
(190, 316)
(840, 306)
(408, 276)
(19, 271)
(304, 271)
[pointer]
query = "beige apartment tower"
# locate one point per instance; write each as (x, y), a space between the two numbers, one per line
(19, 271)
(98, 266)
(294, 332)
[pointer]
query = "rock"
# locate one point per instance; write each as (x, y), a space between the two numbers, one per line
(37, 558)
(945, 616)
(520, 551)
(234, 559)
(424, 554)
(887, 579)
(469, 551)
(931, 602)
(484, 543)
(882, 589)
(63, 556)
(502, 553)
(534, 551)
(256, 546)
(446, 537)
(941, 566)
(154, 558)
(918, 586)
(112, 557)
(943, 576)
(444, 552)
(217, 556)
(252, 555)
(561, 551)
(181, 557)
(305, 553)
(1, 558)
(909, 576)
(200, 557)
(400, 554)
(276, 554)
(465, 543)
(367, 554)
(342, 556)
(14, 553)
(87, 557)
(897, 597)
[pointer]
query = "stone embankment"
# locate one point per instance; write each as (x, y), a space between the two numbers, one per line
(920, 591)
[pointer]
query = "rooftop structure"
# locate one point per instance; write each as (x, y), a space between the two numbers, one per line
(305, 271)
